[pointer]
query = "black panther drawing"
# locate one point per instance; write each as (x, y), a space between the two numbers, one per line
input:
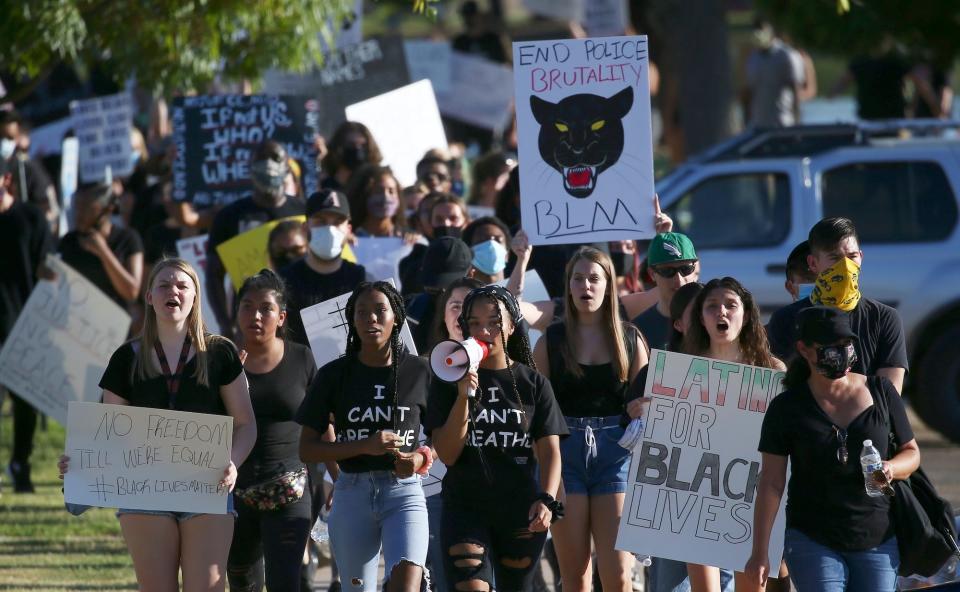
(582, 136)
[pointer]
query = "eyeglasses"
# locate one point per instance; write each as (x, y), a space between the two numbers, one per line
(842, 455)
(669, 272)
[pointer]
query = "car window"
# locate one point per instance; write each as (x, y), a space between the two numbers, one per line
(891, 201)
(741, 210)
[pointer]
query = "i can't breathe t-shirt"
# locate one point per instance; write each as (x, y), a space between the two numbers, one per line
(361, 400)
(501, 431)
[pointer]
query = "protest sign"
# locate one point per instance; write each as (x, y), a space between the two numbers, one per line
(693, 477)
(61, 343)
(606, 17)
(326, 326)
(480, 92)
(217, 135)
(103, 127)
(583, 115)
(534, 290)
(347, 75)
(348, 31)
(246, 254)
(141, 458)
(47, 140)
(429, 59)
(381, 256)
(194, 251)
(69, 167)
(406, 123)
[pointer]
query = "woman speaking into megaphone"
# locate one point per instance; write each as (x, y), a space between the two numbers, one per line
(496, 504)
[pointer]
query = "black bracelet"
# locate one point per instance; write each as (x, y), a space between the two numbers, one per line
(555, 507)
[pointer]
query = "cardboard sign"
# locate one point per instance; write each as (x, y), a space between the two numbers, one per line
(381, 256)
(62, 342)
(246, 254)
(217, 135)
(194, 251)
(693, 476)
(103, 127)
(429, 59)
(480, 93)
(141, 458)
(326, 327)
(583, 115)
(348, 75)
(406, 123)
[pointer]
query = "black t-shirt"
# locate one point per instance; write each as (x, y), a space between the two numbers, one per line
(223, 367)
(245, 214)
(361, 399)
(36, 180)
(880, 342)
(500, 430)
(123, 242)
(826, 500)
(306, 287)
(655, 327)
(409, 270)
(599, 392)
(421, 315)
(25, 240)
(880, 87)
(276, 396)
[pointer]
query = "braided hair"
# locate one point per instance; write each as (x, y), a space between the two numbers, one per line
(397, 349)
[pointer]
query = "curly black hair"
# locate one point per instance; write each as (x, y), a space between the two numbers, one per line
(265, 279)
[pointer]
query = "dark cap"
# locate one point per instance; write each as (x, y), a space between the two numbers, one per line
(447, 259)
(823, 325)
(328, 200)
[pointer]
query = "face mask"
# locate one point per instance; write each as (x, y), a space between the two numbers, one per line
(622, 263)
(442, 231)
(838, 286)
(457, 187)
(381, 206)
(134, 158)
(7, 147)
(326, 242)
(267, 176)
(490, 257)
(285, 258)
(354, 156)
(804, 291)
(834, 361)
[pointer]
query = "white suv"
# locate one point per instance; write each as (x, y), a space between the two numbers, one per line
(747, 202)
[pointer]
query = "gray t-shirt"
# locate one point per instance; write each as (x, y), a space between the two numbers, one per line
(772, 76)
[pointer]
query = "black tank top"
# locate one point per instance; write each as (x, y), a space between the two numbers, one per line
(599, 392)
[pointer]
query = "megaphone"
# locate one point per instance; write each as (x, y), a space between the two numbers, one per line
(451, 360)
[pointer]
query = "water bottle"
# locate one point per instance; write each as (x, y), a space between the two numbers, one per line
(870, 461)
(319, 533)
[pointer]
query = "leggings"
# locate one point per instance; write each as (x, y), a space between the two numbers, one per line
(24, 427)
(268, 547)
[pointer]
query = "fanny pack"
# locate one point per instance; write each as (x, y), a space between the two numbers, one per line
(274, 493)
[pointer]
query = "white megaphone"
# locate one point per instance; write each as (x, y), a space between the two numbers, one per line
(451, 360)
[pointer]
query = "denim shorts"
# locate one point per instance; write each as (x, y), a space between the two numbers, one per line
(178, 516)
(593, 461)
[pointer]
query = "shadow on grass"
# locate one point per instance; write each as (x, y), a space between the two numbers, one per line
(62, 586)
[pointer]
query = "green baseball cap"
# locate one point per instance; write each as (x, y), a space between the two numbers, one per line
(669, 247)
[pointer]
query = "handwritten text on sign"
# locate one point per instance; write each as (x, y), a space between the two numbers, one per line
(694, 475)
(147, 459)
(103, 128)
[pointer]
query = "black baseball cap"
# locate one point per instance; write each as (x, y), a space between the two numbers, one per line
(447, 259)
(328, 200)
(824, 325)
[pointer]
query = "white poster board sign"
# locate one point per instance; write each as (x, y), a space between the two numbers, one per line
(586, 158)
(69, 170)
(103, 127)
(193, 250)
(140, 458)
(603, 18)
(533, 291)
(62, 342)
(480, 93)
(430, 60)
(406, 123)
(381, 256)
(326, 326)
(693, 477)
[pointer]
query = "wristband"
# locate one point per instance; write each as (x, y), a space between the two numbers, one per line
(427, 453)
(555, 507)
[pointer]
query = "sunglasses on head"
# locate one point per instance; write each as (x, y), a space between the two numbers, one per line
(668, 272)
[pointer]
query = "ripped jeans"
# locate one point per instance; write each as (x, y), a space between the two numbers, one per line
(372, 510)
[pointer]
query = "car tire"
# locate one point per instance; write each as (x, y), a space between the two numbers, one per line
(936, 395)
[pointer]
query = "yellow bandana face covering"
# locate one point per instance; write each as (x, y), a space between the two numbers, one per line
(838, 286)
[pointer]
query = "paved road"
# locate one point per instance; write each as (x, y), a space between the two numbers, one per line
(940, 459)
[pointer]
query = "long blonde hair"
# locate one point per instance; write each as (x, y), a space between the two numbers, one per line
(145, 368)
(610, 312)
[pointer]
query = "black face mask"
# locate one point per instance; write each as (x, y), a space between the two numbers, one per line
(622, 263)
(354, 156)
(834, 361)
(442, 231)
(285, 258)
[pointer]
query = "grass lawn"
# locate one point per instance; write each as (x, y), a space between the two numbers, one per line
(42, 547)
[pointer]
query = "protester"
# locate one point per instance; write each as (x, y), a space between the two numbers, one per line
(377, 395)
(447, 216)
(490, 173)
(268, 168)
(30, 180)
(771, 93)
(488, 238)
(476, 37)
(626, 264)
(374, 197)
(800, 280)
(165, 544)
(287, 243)
(590, 359)
(681, 314)
(447, 260)
(292, 185)
(486, 428)
(451, 300)
(835, 257)
(434, 172)
(351, 146)
(273, 508)
(673, 262)
(25, 241)
(837, 537)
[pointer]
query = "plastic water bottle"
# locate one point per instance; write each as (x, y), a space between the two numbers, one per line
(870, 461)
(319, 533)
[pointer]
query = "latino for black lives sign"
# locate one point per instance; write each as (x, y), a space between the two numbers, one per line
(693, 476)
(586, 159)
(140, 458)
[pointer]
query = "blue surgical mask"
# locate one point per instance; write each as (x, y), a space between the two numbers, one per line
(490, 257)
(7, 148)
(804, 291)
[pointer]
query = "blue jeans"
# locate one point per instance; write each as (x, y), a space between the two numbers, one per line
(668, 575)
(817, 567)
(178, 516)
(593, 463)
(371, 510)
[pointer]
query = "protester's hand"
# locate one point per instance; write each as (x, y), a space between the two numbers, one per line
(93, 242)
(243, 356)
(229, 477)
(63, 465)
(321, 145)
(383, 443)
(887, 472)
(329, 503)
(540, 517)
(638, 407)
(520, 245)
(469, 382)
(411, 238)
(661, 221)
(406, 464)
(757, 570)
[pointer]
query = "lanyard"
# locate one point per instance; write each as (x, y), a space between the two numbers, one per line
(173, 379)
